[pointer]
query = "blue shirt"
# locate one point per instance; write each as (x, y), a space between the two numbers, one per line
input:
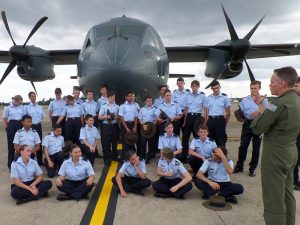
(35, 111)
(175, 165)
(172, 142)
(56, 107)
(24, 172)
(90, 107)
(13, 112)
(30, 137)
(71, 111)
(129, 111)
(53, 143)
(195, 102)
(89, 134)
(217, 104)
(249, 106)
(113, 108)
(180, 97)
(158, 101)
(203, 148)
(82, 170)
(101, 101)
(78, 101)
(128, 169)
(147, 114)
(216, 170)
(172, 109)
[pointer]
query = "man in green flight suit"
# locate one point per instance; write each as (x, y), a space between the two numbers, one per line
(280, 124)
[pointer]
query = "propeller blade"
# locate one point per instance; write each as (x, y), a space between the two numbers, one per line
(25, 67)
(32, 84)
(231, 29)
(249, 71)
(35, 28)
(10, 67)
(6, 26)
(249, 35)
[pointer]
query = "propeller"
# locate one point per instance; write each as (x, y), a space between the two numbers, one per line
(19, 53)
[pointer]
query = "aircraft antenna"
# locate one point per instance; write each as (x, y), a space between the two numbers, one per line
(124, 11)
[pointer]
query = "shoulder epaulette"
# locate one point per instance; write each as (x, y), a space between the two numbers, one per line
(33, 130)
(188, 90)
(177, 162)
(224, 94)
(201, 92)
(210, 139)
(85, 159)
(19, 130)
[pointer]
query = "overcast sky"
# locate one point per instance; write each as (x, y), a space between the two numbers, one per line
(178, 22)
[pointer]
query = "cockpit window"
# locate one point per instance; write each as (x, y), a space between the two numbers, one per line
(103, 32)
(136, 31)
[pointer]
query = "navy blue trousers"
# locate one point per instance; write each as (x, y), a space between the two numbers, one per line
(132, 184)
(20, 193)
(12, 127)
(57, 159)
(77, 189)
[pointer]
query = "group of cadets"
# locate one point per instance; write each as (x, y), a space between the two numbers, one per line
(76, 120)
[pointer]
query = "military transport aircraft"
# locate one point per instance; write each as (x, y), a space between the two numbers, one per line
(128, 54)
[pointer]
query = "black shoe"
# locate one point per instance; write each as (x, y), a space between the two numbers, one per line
(64, 197)
(205, 197)
(238, 169)
(161, 195)
(46, 195)
(231, 199)
(23, 200)
(138, 192)
(297, 186)
(87, 197)
(252, 173)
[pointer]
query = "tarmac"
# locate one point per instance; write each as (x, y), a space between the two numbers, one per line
(136, 210)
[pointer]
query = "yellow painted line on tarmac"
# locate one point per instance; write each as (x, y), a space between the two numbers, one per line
(101, 206)
(119, 147)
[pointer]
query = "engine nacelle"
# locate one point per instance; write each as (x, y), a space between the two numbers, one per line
(39, 69)
(235, 66)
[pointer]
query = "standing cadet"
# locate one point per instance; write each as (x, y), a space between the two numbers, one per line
(74, 117)
(55, 109)
(147, 115)
(201, 148)
(12, 116)
(128, 114)
(217, 114)
(110, 128)
(218, 168)
(280, 124)
(296, 170)
(89, 106)
(53, 144)
(37, 113)
(171, 141)
(28, 178)
(76, 95)
(170, 171)
(132, 176)
(27, 136)
(89, 137)
(179, 96)
(171, 109)
(194, 109)
(76, 177)
(161, 98)
(250, 110)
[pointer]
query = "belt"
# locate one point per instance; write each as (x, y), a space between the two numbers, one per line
(217, 117)
(14, 120)
(194, 114)
(109, 124)
(73, 118)
(129, 121)
(248, 121)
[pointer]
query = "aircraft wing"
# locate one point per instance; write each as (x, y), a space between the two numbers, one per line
(187, 54)
(60, 57)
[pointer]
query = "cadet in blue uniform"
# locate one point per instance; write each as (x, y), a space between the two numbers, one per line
(132, 176)
(201, 148)
(27, 177)
(110, 128)
(12, 116)
(172, 110)
(53, 144)
(90, 106)
(147, 114)
(161, 98)
(171, 141)
(56, 108)
(218, 167)
(179, 97)
(27, 136)
(74, 116)
(170, 171)
(76, 95)
(194, 109)
(76, 177)
(217, 114)
(89, 137)
(37, 113)
(129, 117)
(250, 110)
